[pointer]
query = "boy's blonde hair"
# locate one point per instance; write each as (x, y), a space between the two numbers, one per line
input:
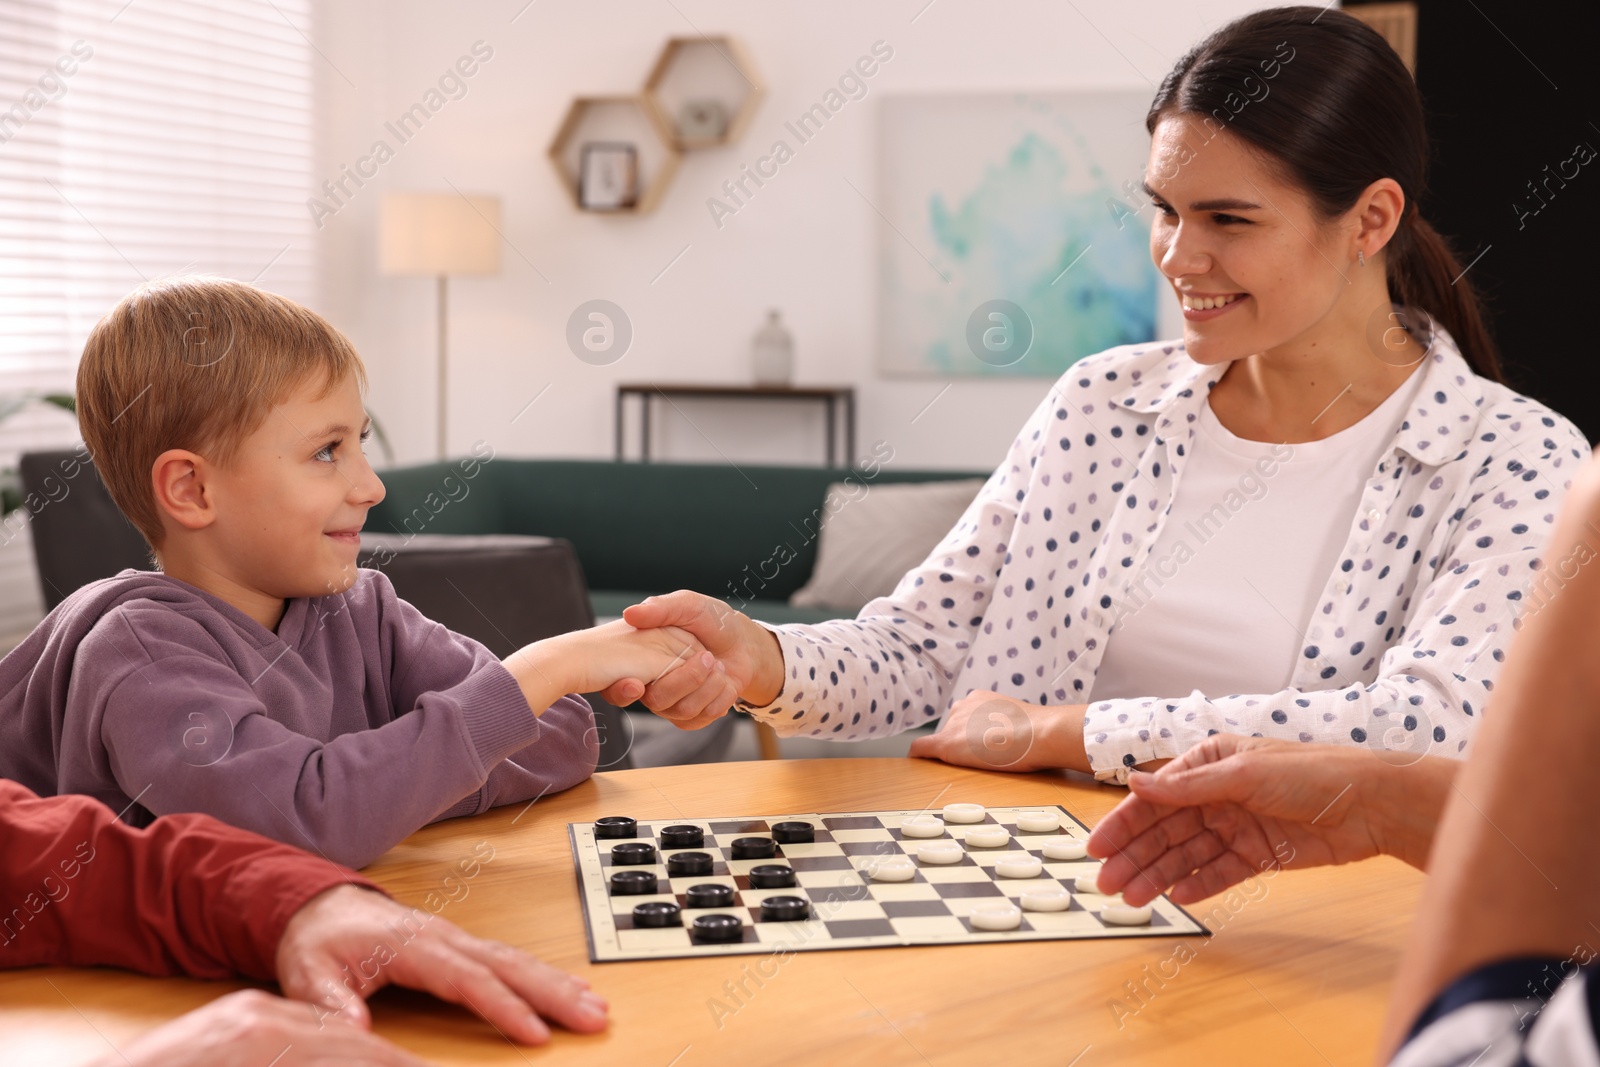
(194, 362)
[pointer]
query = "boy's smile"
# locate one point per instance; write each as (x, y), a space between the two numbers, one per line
(283, 517)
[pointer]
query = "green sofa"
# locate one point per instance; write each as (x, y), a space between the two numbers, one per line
(643, 528)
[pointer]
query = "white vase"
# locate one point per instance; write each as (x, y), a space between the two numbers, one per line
(772, 353)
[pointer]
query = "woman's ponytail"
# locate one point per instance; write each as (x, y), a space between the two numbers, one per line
(1424, 273)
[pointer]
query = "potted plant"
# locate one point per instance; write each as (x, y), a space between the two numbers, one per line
(10, 482)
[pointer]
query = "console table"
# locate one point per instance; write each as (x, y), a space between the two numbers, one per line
(833, 398)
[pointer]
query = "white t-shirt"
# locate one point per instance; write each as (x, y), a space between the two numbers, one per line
(1223, 600)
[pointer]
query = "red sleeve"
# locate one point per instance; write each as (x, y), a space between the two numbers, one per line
(186, 895)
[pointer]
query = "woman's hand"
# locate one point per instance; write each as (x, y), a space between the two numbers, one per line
(999, 733)
(751, 661)
(1234, 806)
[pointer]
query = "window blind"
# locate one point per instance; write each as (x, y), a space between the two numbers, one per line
(137, 139)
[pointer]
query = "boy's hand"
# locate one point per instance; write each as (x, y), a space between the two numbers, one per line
(748, 652)
(615, 657)
(617, 654)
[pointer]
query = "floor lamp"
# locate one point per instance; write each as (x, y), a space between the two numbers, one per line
(440, 234)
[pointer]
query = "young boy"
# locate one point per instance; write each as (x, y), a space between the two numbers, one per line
(259, 677)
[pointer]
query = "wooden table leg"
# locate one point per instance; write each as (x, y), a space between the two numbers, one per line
(644, 427)
(833, 434)
(619, 426)
(766, 740)
(850, 429)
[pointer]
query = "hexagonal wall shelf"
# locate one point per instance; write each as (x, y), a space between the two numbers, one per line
(701, 93)
(705, 90)
(616, 119)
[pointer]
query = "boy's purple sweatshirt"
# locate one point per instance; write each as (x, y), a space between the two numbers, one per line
(353, 725)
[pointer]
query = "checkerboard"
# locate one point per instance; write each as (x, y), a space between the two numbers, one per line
(848, 908)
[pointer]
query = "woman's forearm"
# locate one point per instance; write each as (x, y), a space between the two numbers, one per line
(766, 658)
(1063, 737)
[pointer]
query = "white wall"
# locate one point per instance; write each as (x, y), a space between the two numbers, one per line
(806, 243)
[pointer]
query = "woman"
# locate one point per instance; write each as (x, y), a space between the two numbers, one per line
(1314, 517)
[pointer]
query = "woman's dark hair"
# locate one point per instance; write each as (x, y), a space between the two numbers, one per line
(1324, 95)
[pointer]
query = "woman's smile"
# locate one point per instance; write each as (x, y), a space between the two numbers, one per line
(1203, 307)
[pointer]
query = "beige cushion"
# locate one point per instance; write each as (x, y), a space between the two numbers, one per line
(871, 535)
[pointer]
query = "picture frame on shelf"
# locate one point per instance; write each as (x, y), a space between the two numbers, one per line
(608, 176)
(702, 120)
(705, 89)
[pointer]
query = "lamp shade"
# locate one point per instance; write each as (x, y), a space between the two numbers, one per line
(439, 233)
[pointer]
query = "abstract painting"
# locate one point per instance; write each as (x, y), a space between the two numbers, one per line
(1014, 240)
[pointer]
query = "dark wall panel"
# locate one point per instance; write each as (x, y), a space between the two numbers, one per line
(1512, 105)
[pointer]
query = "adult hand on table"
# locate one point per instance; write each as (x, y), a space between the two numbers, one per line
(750, 663)
(999, 733)
(251, 1028)
(353, 935)
(1232, 807)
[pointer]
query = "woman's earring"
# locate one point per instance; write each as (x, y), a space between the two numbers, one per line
(1361, 257)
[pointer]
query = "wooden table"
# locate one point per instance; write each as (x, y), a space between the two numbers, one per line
(1296, 973)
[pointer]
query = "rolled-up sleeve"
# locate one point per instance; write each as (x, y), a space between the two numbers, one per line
(894, 666)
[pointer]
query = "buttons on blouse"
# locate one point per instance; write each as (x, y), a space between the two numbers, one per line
(1374, 515)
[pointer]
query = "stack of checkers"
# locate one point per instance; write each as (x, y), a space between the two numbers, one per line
(660, 889)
